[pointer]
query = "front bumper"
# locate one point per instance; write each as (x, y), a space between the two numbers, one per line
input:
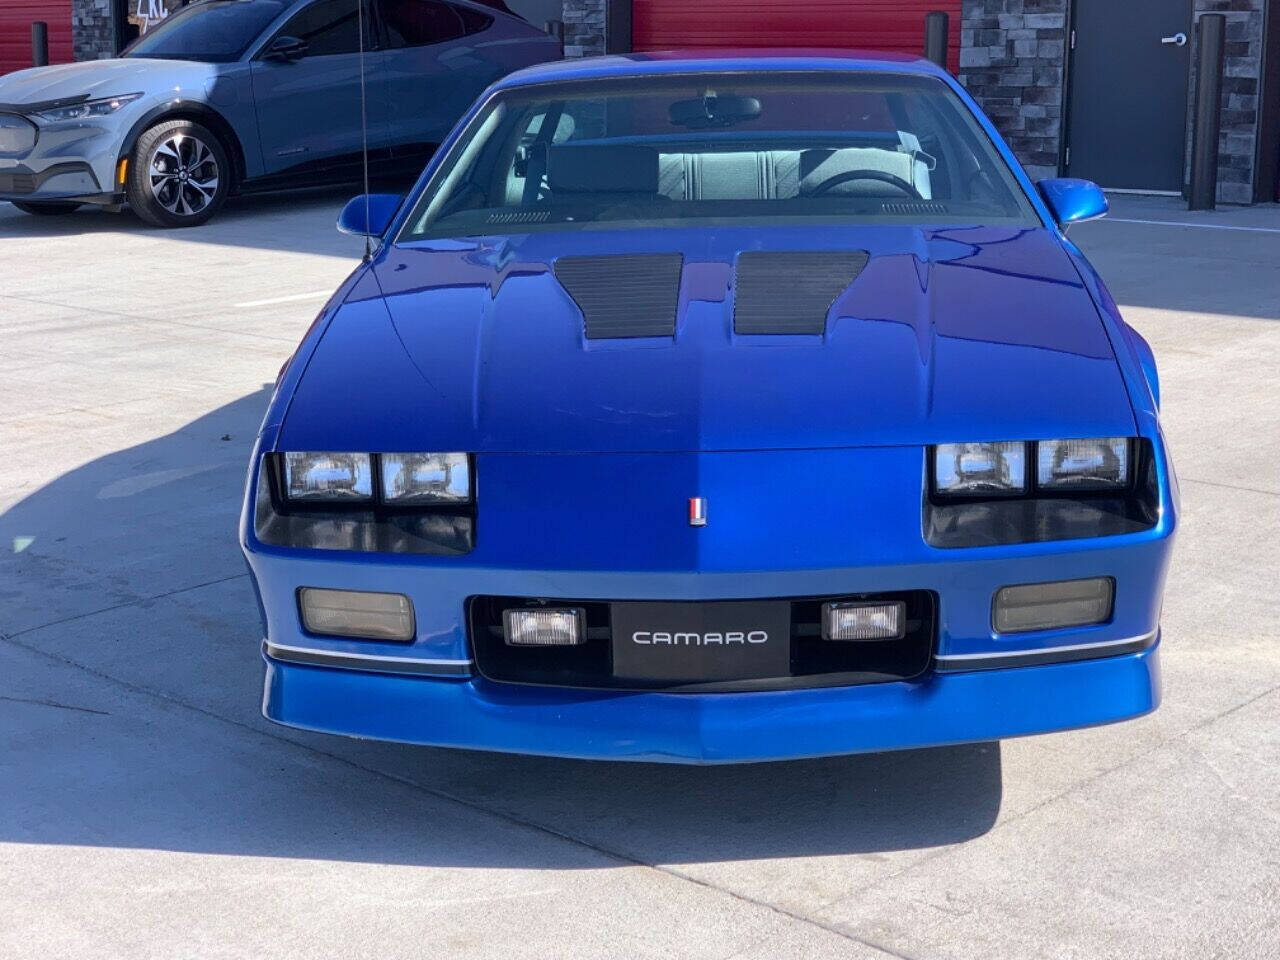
(72, 160)
(713, 728)
(862, 536)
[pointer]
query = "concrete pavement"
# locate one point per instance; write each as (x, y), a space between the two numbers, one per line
(147, 811)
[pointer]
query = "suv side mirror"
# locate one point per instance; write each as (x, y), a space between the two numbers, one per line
(381, 210)
(1073, 201)
(286, 50)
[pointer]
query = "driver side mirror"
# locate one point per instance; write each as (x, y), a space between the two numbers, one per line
(1073, 201)
(369, 214)
(286, 50)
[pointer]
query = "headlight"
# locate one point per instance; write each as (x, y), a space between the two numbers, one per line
(418, 478)
(328, 477)
(1097, 464)
(980, 469)
(88, 108)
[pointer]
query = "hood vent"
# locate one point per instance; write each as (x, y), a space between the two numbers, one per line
(624, 296)
(791, 292)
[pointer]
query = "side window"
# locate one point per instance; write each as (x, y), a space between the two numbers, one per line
(419, 23)
(328, 27)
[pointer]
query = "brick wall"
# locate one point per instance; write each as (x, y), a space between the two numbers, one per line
(1011, 61)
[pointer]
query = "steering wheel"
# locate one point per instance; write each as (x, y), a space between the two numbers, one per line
(894, 181)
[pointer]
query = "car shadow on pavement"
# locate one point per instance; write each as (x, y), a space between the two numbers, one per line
(130, 684)
(301, 221)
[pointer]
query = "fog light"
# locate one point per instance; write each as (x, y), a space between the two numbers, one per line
(356, 613)
(1049, 606)
(864, 621)
(544, 627)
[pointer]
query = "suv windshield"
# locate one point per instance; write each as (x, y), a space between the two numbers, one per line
(215, 31)
(720, 148)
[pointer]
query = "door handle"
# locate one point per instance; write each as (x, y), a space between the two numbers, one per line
(1178, 39)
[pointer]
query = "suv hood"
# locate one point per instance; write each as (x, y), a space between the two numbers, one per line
(101, 78)
(945, 335)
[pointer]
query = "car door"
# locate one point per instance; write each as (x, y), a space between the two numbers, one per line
(434, 66)
(309, 102)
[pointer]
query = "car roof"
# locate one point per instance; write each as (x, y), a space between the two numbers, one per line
(671, 62)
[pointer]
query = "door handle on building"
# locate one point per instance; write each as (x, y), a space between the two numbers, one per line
(1178, 39)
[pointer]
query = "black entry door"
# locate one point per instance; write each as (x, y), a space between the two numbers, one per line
(1129, 76)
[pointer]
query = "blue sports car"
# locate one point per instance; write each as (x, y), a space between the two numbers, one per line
(715, 408)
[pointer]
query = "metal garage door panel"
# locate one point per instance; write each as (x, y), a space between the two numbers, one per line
(893, 25)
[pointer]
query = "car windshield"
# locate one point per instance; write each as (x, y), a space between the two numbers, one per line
(216, 31)
(729, 148)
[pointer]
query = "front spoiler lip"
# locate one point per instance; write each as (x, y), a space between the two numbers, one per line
(952, 663)
(369, 662)
(942, 709)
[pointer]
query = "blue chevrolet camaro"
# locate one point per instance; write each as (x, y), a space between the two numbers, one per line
(715, 409)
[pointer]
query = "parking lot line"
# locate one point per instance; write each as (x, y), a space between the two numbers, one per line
(291, 298)
(1184, 223)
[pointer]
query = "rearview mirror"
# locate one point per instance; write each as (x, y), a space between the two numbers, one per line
(286, 49)
(1073, 201)
(711, 110)
(369, 214)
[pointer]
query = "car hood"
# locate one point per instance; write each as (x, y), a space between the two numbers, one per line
(101, 78)
(945, 334)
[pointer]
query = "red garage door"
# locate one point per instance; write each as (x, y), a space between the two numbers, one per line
(896, 25)
(16, 17)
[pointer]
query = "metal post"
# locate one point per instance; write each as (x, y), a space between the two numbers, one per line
(556, 29)
(39, 44)
(1208, 122)
(936, 25)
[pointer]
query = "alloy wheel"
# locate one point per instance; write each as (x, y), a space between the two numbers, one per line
(183, 174)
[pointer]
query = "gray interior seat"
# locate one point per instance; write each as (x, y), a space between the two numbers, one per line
(782, 174)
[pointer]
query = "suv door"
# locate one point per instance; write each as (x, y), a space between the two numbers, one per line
(434, 66)
(309, 106)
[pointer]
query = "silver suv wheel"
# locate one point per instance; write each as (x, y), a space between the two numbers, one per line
(183, 174)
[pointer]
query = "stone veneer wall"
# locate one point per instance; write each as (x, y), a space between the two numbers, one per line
(1011, 60)
(584, 25)
(92, 33)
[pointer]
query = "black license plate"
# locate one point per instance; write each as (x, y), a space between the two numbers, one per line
(701, 642)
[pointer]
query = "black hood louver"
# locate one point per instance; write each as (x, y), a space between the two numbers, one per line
(791, 291)
(627, 295)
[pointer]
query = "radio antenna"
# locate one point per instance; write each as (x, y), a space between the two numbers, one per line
(364, 134)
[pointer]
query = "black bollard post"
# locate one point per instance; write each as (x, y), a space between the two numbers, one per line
(39, 44)
(936, 25)
(1208, 122)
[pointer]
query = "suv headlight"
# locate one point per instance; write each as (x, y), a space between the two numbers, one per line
(88, 108)
(1098, 464)
(980, 469)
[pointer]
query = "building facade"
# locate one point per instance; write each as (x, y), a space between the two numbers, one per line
(1100, 89)
(1093, 88)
